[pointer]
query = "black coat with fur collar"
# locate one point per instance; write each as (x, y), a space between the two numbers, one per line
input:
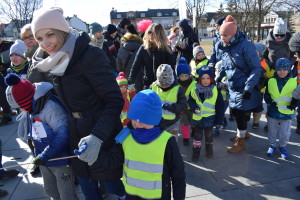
(89, 88)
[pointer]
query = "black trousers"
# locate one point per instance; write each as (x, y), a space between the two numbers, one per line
(240, 118)
(3, 102)
(207, 131)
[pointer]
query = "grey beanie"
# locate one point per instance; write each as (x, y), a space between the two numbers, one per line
(95, 28)
(165, 75)
(196, 50)
(294, 42)
(280, 27)
(18, 48)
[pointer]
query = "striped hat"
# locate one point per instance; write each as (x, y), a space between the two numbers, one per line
(19, 92)
(121, 80)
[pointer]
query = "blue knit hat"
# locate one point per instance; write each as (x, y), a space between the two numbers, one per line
(283, 63)
(182, 67)
(146, 107)
(205, 70)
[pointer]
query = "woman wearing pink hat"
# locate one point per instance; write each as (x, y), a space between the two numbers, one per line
(242, 67)
(84, 82)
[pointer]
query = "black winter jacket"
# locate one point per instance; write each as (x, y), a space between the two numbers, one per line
(88, 87)
(149, 61)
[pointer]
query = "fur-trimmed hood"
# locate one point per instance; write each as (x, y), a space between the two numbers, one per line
(131, 37)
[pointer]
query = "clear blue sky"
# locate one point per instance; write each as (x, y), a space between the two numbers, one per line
(98, 10)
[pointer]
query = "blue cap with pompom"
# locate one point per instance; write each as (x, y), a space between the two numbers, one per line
(182, 67)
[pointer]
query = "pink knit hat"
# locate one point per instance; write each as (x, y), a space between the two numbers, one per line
(229, 26)
(49, 18)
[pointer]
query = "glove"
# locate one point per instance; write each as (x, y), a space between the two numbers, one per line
(246, 95)
(38, 161)
(197, 111)
(273, 103)
(131, 87)
(82, 148)
(90, 154)
(292, 107)
(166, 106)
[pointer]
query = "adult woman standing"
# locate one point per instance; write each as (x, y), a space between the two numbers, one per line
(154, 52)
(241, 65)
(88, 90)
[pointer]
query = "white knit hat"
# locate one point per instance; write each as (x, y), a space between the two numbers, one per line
(280, 27)
(49, 18)
(18, 48)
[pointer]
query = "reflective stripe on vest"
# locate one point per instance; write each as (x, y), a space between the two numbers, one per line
(207, 108)
(194, 67)
(283, 98)
(143, 166)
(123, 115)
(298, 72)
(169, 97)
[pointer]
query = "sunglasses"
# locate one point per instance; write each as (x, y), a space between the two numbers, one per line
(279, 35)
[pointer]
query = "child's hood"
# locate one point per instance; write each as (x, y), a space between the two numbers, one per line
(41, 89)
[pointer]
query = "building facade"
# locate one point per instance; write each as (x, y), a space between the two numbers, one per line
(167, 17)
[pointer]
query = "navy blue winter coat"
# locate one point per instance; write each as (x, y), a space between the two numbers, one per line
(244, 54)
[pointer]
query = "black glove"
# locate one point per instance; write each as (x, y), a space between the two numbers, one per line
(246, 95)
(273, 103)
(166, 106)
(38, 161)
(293, 105)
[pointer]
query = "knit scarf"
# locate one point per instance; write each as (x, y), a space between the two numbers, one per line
(144, 136)
(56, 63)
(19, 68)
(207, 90)
(29, 53)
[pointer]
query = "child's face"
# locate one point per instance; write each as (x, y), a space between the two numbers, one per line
(137, 124)
(123, 88)
(184, 77)
(16, 60)
(205, 80)
(282, 73)
(165, 86)
(200, 56)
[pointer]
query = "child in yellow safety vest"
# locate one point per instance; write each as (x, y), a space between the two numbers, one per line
(172, 97)
(152, 160)
(199, 59)
(207, 103)
(127, 96)
(281, 106)
(187, 83)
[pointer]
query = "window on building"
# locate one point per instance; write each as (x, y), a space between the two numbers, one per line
(143, 15)
(174, 13)
(159, 14)
(119, 16)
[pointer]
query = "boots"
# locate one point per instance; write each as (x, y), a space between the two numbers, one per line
(185, 135)
(209, 150)
(196, 154)
(238, 146)
(246, 137)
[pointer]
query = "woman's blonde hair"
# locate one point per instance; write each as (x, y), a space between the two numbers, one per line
(25, 28)
(61, 35)
(159, 36)
(173, 29)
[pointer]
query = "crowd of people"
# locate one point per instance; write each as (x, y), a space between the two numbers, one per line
(111, 97)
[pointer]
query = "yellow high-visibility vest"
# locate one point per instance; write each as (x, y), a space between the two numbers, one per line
(169, 97)
(143, 166)
(194, 67)
(283, 98)
(207, 108)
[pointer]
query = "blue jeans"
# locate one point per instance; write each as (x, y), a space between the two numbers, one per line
(91, 191)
